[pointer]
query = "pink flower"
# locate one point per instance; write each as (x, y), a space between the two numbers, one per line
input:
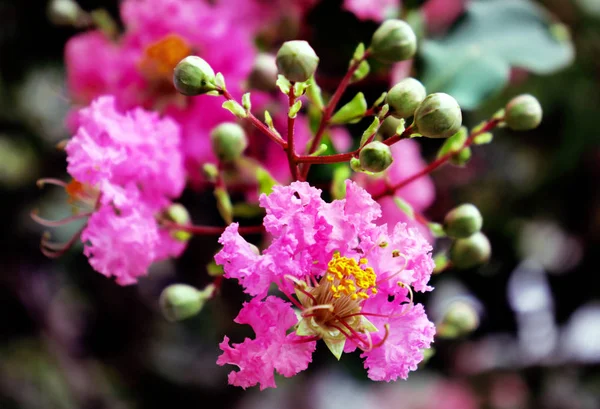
(440, 14)
(351, 281)
(138, 68)
(377, 10)
(419, 194)
(271, 350)
(135, 147)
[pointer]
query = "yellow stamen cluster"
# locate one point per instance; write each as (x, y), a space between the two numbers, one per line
(350, 278)
(161, 57)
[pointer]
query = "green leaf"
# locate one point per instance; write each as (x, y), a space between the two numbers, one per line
(247, 210)
(405, 207)
(314, 95)
(352, 112)
(372, 129)
(265, 181)
(461, 158)
(474, 60)
(338, 184)
(235, 108)
(283, 84)
(361, 72)
(483, 139)
(454, 143)
(294, 109)
(224, 204)
(246, 101)
(358, 53)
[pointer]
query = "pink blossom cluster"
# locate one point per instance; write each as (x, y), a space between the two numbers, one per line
(318, 250)
(133, 162)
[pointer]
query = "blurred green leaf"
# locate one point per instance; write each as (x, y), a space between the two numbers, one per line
(474, 60)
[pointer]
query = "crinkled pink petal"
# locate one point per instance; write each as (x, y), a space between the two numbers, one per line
(271, 350)
(121, 245)
(240, 260)
(360, 208)
(409, 334)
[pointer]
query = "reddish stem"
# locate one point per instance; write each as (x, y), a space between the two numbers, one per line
(259, 124)
(291, 149)
(335, 99)
(438, 162)
(210, 230)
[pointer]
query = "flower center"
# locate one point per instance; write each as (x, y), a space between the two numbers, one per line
(161, 57)
(349, 278)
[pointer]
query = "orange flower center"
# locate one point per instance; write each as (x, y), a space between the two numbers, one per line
(161, 57)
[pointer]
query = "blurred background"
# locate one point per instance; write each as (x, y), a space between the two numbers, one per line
(70, 338)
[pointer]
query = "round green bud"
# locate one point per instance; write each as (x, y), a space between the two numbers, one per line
(264, 73)
(460, 319)
(375, 157)
(181, 301)
(388, 127)
(463, 221)
(438, 116)
(523, 113)
(194, 76)
(405, 97)
(296, 60)
(178, 213)
(66, 12)
(471, 251)
(228, 141)
(393, 41)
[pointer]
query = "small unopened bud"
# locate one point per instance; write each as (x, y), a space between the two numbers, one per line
(228, 141)
(177, 213)
(194, 76)
(471, 251)
(405, 97)
(438, 116)
(264, 73)
(67, 13)
(297, 61)
(181, 301)
(393, 41)
(463, 221)
(460, 319)
(523, 113)
(375, 157)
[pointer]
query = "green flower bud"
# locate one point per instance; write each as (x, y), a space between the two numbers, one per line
(193, 76)
(471, 251)
(463, 221)
(297, 61)
(405, 97)
(460, 319)
(178, 213)
(181, 301)
(66, 12)
(264, 73)
(438, 116)
(523, 113)
(393, 41)
(228, 141)
(388, 127)
(375, 157)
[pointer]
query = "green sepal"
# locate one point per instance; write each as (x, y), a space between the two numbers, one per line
(303, 329)
(283, 84)
(220, 81)
(380, 100)
(314, 94)
(355, 165)
(335, 345)
(105, 23)
(383, 112)
(401, 127)
(320, 150)
(361, 72)
(352, 112)
(294, 109)
(235, 108)
(436, 229)
(300, 87)
(372, 129)
(368, 325)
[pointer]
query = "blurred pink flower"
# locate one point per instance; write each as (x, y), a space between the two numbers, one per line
(138, 67)
(351, 279)
(133, 162)
(440, 14)
(377, 10)
(419, 194)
